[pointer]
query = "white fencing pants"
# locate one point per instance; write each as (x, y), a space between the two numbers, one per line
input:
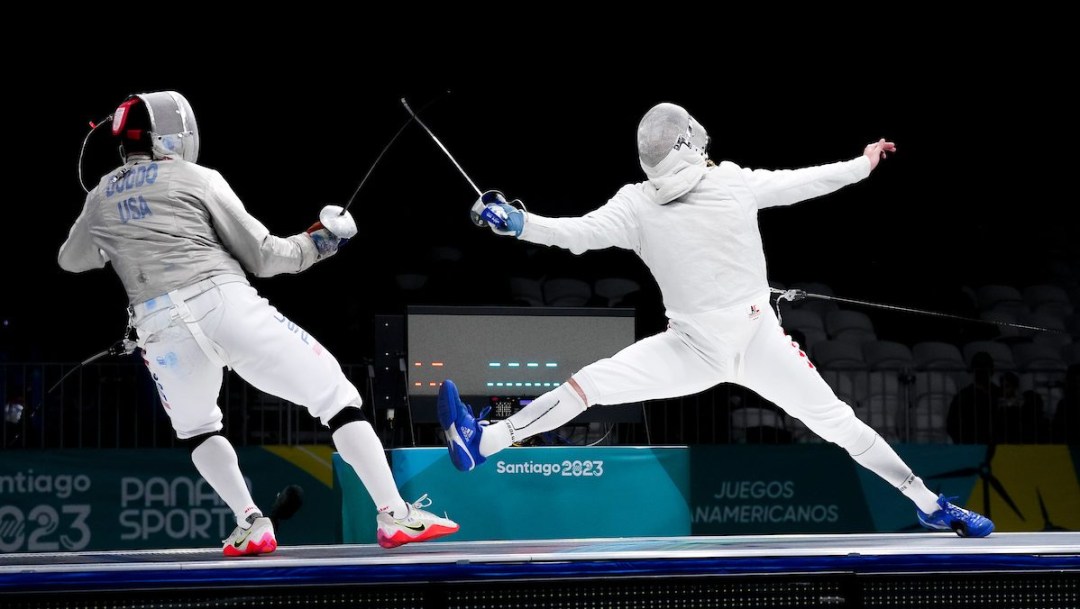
(188, 335)
(742, 344)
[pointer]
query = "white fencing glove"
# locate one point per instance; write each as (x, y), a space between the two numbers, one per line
(341, 225)
(332, 231)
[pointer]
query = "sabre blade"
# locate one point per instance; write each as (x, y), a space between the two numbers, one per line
(440, 144)
(372, 168)
(412, 117)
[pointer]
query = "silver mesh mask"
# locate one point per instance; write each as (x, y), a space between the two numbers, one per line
(666, 127)
(173, 130)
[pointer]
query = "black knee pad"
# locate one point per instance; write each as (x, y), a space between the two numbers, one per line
(196, 441)
(347, 415)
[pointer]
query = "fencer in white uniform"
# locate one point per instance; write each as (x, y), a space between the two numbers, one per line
(181, 241)
(695, 226)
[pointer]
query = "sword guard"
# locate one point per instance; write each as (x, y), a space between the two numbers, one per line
(791, 295)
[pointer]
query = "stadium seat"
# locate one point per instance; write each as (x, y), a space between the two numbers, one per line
(614, 289)
(937, 356)
(566, 292)
(887, 355)
(526, 291)
(1000, 297)
(808, 322)
(839, 355)
(850, 326)
(1001, 354)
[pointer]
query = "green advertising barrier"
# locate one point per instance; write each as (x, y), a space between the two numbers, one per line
(357, 510)
(741, 489)
(538, 493)
(818, 488)
(1021, 488)
(136, 499)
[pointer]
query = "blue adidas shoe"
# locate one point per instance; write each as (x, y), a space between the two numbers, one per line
(462, 429)
(952, 518)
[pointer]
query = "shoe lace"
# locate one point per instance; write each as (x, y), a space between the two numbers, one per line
(421, 503)
(239, 529)
(483, 413)
(957, 511)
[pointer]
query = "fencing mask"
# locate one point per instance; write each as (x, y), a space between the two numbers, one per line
(666, 128)
(672, 150)
(171, 130)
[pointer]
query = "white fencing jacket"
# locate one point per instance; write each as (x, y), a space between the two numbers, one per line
(165, 224)
(703, 247)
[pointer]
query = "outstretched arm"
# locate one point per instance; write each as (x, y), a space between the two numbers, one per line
(260, 252)
(611, 225)
(787, 186)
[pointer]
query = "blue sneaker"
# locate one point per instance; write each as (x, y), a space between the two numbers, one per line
(953, 518)
(462, 429)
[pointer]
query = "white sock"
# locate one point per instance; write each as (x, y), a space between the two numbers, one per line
(216, 461)
(360, 448)
(914, 489)
(881, 459)
(549, 411)
(496, 437)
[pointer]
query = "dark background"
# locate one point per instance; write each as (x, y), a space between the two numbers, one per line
(976, 194)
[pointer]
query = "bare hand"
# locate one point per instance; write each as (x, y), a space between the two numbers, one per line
(877, 151)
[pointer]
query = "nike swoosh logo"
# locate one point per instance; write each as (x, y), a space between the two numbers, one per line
(417, 529)
(240, 542)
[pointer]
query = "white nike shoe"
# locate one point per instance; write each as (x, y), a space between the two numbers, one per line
(258, 539)
(418, 525)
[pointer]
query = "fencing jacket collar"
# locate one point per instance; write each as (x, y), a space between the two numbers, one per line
(676, 175)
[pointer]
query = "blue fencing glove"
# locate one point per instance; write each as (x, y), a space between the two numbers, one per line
(491, 209)
(506, 219)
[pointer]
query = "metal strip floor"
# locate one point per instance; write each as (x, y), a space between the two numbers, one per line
(542, 559)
